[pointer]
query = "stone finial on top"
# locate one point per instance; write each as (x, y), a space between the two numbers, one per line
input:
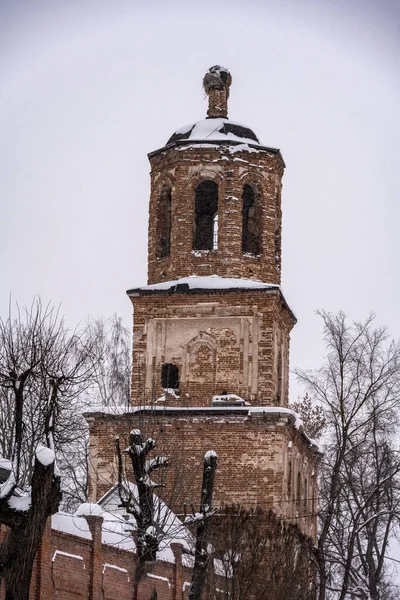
(216, 84)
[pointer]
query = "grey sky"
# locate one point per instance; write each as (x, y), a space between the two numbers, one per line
(87, 89)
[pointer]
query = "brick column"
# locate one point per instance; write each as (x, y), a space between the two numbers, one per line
(44, 583)
(177, 572)
(96, 563)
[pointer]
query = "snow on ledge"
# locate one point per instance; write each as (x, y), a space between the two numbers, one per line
(68, 555)
(210, 282)
(154, 576)
(116, 567)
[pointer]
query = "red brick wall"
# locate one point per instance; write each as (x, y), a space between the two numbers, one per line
(58, 576)
(253, 457)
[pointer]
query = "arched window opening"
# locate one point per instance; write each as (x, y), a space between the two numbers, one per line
(206, 216)
(250, 221)
(164, 223)
(170, 376)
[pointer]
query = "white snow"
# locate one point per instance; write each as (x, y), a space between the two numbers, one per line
(116, 567)
(89, 509)
(67, 554)
(5, 464)
(8, 485)
(153, 576)
(45, 455)
(118, 534)
(241, 147)
(22, 503)
(212, 282)
(213, 130)
(210, 453)
(71, 524)
(171, 528)
(270, 410)
(227, 398)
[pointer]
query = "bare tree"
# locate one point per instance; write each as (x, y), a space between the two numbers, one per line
(359, 501)
(262, 556)
(43, 370)
(111, 384)
(312, 415)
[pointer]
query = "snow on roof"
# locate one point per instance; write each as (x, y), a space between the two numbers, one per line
(216, 129)
(5, 464)
(172, 527)
(210, 282)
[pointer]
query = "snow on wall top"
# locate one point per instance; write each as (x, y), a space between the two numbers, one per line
(210, 282)
(71, 524)
(215, 130)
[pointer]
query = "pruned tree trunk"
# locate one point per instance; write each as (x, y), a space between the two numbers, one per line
(17, 553)
(201, 549)
(142, 507)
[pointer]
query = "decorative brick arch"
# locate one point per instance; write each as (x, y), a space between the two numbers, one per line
(200, 359)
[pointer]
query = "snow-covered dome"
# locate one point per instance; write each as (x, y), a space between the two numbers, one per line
(215, 130)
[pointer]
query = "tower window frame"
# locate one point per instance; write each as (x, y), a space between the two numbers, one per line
(251, 231)
(163, 223)
(205, 234)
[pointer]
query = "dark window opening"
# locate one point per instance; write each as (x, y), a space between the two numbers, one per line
(250, 226)
(305, 499)
(206, 216)
(170, 376)
(298, 488)
(290, 481)
(164, 223)
(279, 375)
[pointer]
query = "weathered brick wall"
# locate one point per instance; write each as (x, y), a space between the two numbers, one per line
(254, 453)
(182, 168)
(67, 568)
(221, 341)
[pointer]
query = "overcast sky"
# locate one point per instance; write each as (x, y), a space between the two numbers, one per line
(87, 89)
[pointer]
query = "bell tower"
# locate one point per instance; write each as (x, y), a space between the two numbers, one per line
(212, 321)
(215, 204)
(212, 327)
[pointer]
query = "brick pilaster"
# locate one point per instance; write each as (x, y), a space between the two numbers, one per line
(177, 572)
(96, 563)
(44, 584)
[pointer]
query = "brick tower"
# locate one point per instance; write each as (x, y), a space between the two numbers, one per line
(212, 328)
(213, 319)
